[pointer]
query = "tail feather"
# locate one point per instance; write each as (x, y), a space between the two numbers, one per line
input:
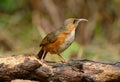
(40, 54)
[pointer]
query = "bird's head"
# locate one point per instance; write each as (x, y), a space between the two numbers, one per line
(72, 22)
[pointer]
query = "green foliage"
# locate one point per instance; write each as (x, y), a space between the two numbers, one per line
(7, 5)
(11, 5)
(98, 30)
(73, 48)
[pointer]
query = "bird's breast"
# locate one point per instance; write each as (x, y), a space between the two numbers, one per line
(69, 39)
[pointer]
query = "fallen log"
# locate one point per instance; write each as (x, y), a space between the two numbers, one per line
(28, 67)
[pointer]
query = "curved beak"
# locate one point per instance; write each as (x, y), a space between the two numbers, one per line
(79, 20)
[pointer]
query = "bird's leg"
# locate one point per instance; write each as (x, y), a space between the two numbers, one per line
(43, 56)
(42, 60)
(62, 58)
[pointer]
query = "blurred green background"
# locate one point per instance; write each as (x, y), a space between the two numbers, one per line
(23, 24)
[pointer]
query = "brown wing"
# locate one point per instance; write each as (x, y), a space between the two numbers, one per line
(50, 38)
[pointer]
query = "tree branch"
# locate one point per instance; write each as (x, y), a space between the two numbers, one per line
(30, 68)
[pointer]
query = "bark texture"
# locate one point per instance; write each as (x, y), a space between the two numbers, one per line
(28, 67)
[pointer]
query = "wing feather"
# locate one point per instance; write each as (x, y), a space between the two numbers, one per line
(50, 38)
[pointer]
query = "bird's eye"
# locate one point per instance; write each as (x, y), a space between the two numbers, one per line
(74, 21)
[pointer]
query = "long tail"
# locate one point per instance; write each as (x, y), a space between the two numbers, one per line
(41, 54)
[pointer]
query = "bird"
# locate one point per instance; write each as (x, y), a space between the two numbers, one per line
(59, 40)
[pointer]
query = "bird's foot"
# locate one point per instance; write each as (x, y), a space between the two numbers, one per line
(64, 61)
(42, 62)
